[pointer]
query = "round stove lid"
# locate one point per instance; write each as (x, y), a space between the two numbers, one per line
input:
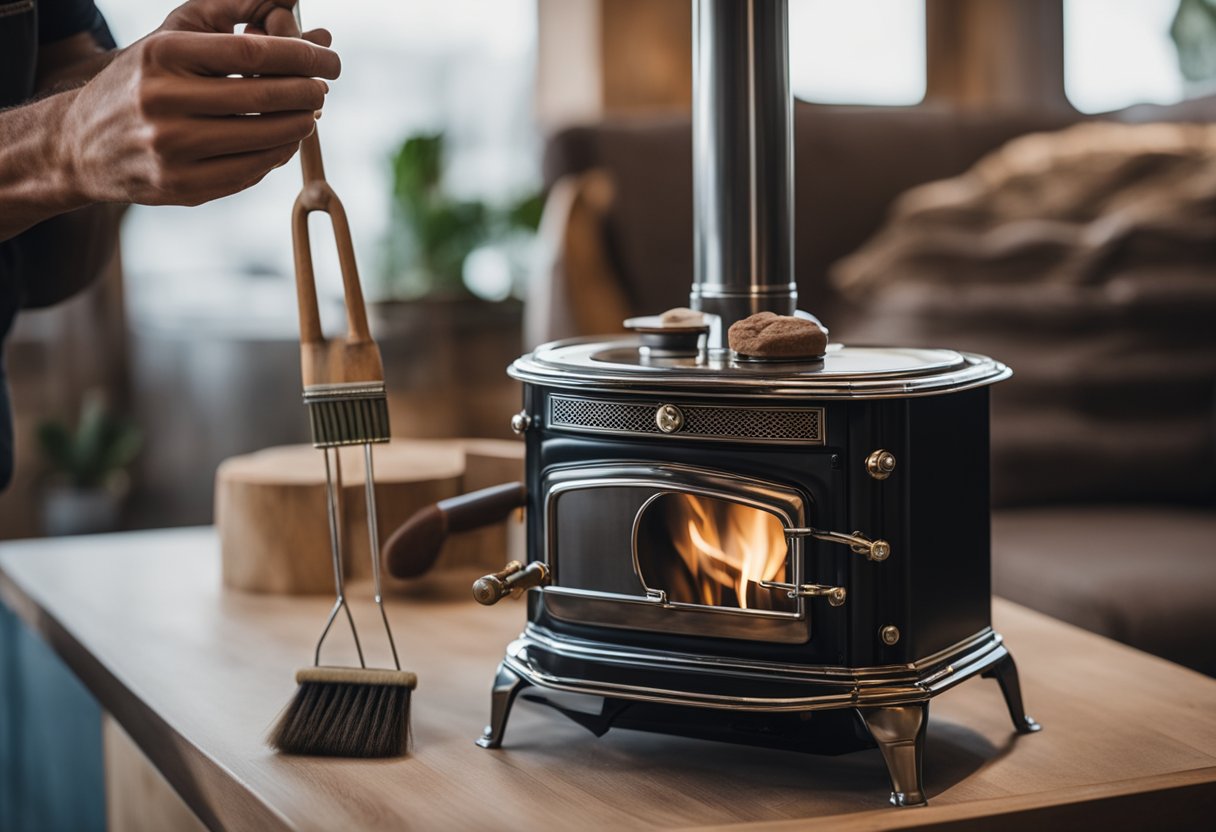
(844, 372)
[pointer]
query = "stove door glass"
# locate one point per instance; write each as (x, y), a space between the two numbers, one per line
(698, 549)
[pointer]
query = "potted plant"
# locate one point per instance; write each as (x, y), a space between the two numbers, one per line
(446, 334)
(433, 234)
(88, 480)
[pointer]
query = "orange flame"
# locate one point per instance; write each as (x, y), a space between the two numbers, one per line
(726, 545)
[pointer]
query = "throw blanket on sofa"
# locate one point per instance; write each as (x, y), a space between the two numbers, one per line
(1086, 259)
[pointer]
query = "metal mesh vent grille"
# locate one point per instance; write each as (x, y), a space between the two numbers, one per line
(743, 424)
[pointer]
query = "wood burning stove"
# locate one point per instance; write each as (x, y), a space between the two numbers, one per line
(792, 554)
(728, 539)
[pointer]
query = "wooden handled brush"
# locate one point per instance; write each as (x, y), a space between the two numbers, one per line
(342, 711)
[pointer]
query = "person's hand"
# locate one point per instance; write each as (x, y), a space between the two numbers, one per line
(167, 123)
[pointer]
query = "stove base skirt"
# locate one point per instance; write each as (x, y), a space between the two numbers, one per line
(892, 702)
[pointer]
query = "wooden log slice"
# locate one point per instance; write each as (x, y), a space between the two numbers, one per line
(270, 509)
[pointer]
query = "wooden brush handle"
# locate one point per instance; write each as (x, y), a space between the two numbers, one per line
(357, 358)
(413, 549)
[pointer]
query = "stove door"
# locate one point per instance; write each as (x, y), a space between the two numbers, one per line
(678, 549)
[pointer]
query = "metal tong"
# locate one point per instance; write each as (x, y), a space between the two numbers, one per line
(343, 379)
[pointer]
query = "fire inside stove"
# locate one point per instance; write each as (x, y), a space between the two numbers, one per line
(713, 552)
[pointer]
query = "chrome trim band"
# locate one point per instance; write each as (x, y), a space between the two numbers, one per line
(640, 656)
(815, 687)
(344, 390)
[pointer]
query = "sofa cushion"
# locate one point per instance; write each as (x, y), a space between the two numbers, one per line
(1142, 575)
(1085, 260)
(850, 163)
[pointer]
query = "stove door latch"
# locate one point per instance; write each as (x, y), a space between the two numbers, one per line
(835, 594)
(875, 550)
(512, 580)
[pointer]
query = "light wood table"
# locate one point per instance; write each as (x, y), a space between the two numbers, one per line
(196, 674)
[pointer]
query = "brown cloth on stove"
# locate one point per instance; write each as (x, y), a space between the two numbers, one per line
(1086, 259)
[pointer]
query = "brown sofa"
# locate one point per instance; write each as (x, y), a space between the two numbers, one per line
(1081, 531)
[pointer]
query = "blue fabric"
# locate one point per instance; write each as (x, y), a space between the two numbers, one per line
(52, 775)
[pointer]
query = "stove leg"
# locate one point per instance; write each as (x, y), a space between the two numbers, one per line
(507, 685)
(899, 731)
(1006, 674)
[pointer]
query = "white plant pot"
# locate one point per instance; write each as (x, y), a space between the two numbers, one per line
(68, 510)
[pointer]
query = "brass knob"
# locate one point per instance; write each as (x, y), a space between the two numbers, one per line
(669, 418)
(889, 635)
(520, 422)
(880, 464)
(858, 543)
(875, 550)
(880, 550)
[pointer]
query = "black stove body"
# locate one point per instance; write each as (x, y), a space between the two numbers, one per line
(856, 585)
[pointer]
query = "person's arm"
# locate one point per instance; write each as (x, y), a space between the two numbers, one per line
(163, 123)
(55, 270)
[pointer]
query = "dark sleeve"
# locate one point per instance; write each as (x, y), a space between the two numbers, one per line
(59, 19)
(63, 255)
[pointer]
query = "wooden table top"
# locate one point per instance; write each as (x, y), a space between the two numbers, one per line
(196, 675)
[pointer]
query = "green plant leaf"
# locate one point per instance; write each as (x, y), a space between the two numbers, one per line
(1194, 34)
(432, 233)
(56, 444)
(100, 446)
(417, 170)
(525, 213)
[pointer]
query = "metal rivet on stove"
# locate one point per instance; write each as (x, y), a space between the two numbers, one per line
(889, 635)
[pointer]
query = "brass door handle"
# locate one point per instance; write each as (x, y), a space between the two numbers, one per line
(875, 550)
(835, 594)
(512, 580)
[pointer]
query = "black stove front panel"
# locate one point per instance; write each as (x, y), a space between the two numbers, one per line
(820, 477)
(805, 476)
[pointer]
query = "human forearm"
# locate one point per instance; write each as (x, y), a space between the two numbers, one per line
(36, 182)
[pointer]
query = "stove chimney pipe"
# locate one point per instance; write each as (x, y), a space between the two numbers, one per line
(743, 161)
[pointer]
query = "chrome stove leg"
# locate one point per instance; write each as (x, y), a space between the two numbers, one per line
(1006, 674)
(507, 685)
(899, 731)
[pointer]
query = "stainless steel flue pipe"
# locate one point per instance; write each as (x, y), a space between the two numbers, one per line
(743, 160)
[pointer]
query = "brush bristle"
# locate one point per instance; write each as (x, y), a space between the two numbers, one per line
(333, 716)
